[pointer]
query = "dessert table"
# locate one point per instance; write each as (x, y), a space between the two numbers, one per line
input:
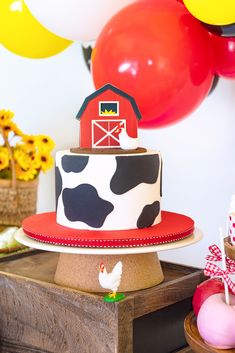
(39, 316)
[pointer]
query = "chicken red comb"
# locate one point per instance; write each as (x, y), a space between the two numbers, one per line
(118, 130)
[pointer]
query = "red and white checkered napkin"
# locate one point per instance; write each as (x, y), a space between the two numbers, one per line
(213, 270)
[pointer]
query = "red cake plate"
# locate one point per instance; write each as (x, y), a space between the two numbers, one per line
(43, 227)
(81, 251)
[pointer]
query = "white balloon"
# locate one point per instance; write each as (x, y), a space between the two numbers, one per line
(75, 19)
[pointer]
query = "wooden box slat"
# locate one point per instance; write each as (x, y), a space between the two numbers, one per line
(16, 347)
(18, 254)
(166, 293)
(49, 318)
(38, 266)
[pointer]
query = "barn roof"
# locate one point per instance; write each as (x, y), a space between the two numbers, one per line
(114, 89)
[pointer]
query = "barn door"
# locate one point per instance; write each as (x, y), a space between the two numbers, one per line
(103, 132)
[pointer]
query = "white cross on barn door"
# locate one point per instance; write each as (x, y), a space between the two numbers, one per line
(103, 132)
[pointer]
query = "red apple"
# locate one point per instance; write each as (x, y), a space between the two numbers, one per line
(204, 290)
(216, 321)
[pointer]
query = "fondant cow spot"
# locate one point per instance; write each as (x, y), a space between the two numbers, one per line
(161, 178)
(131, 172)
(84, 204)
(74, 164)
(58, 183)
(148, 215)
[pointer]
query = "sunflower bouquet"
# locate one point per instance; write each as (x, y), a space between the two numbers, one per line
(22, 157)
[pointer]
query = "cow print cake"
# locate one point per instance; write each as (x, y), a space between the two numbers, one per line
(108, 191)
(109, 182)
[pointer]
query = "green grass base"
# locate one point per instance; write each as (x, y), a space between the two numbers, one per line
(117, 298)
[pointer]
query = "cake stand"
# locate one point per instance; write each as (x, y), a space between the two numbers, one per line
(194, 339)
(78, 267)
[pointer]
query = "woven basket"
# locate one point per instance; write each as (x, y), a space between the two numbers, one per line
(18, 200)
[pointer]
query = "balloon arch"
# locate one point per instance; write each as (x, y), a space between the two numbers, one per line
(167, 54)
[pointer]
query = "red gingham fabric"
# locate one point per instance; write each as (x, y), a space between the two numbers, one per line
(213, 270)
(217, 256)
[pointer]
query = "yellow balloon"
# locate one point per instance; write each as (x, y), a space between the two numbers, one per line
(214, 12)
(22, 34)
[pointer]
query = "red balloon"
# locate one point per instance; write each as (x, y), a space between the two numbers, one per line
(158, 53)
(224, 51)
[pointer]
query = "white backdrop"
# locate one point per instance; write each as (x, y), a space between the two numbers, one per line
(198, 153)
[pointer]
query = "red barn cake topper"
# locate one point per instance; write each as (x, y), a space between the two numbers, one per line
(104, 115)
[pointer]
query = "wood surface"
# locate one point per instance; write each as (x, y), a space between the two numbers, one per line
(19, 254)
(184, 350)
(40, 316)
(41, 266)
(79, 150)
(194, 339)
(15, 347)
(70, 319)
(178, 285)
(7, 346)
(229, 248)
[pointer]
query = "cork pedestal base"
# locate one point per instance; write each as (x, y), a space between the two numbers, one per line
(81, 271)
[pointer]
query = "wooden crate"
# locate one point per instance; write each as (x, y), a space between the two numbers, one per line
(40, 316)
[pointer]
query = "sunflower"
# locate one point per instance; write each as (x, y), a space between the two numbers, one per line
(26, 160)
(29, 153)
(22, 158)
(4, 158)
(46, 160)
(25, 174)
(34, 160)
(45, 142)
(8, 126)
(29, 143)
(5, 115)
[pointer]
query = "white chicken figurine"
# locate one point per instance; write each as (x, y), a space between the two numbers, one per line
(111, 280)
(126, 142)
